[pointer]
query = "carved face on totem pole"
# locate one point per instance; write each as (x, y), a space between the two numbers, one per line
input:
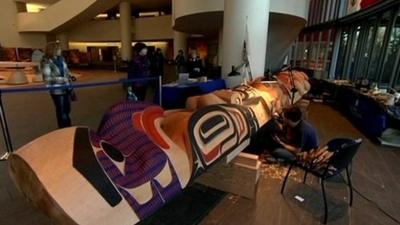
(135, 160)
(139, 171)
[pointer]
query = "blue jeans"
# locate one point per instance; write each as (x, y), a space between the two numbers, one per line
(282, 153)
(62, 103)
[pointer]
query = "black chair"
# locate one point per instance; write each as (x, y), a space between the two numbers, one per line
(344, 150)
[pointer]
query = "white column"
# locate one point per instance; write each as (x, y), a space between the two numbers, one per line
(236, 13)
(220, 47)
(126, 30)
(180, 43)
(63, 40)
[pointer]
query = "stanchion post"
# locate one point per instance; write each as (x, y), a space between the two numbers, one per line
(5, 131)
(115, 63)
(160, 90)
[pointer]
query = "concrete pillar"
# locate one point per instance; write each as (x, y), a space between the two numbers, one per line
(63, 40)
(220, 47)
(180, 43)
(126, 30)
(236, 14)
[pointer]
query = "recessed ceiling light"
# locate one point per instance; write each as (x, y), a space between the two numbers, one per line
(34, 8)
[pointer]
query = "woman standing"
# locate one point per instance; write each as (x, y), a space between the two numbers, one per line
(139, 68)
(56, 74)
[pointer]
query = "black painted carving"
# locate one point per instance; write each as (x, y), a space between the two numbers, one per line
(112, 152)
(86, 163)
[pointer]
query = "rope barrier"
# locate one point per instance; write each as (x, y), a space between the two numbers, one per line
(39, 88)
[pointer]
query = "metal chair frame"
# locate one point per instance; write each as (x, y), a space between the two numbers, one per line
(325, 174)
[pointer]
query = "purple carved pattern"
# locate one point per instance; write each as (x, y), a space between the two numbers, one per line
(143, 160)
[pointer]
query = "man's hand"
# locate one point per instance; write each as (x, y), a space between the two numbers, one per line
(288, 147)
(279, 125)
(277, 139)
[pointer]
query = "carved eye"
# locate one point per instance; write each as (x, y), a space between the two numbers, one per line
(112, 152)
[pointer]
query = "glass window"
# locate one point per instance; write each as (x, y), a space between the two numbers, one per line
(323, 50)
(365, 51)
(397, 83)
(373, 70)
(341, 8)
(300, 51)
(344, 39)
(307, 50)
(313, 54)
(293, 53)
(333, 10)
(314, 12)
(354, 46)
(330, 49)
(324, 8)
(310, 8)
(318, 12)
(391, 53)
(327, 10)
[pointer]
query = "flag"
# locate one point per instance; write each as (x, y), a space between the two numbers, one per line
(245, 55)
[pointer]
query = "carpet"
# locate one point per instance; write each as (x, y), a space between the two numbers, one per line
(189, 208)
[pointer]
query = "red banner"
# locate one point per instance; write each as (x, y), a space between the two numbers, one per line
(368, 3)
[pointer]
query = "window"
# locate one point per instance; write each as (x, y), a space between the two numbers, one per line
(324, 8)
(323, 50)
(373, 70)
(313, 54)
(314, 51)
(344, 39)
(328, 10)
(329, 53)
(292, 56)
(397, 83)
(366, 51)
(367, 46)
(354, 46)
(307, 50)
(392, 53)
(334, 7)
(318, 12)
(300, 51)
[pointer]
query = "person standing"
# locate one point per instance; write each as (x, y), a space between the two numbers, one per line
(37, 57)
(139, 68)
(180, 62)
(56, 75)
(158, 63)
(195, 65)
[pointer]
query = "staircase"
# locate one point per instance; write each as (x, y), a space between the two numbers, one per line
(62, 14)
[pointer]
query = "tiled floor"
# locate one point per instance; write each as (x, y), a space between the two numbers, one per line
(376, 170)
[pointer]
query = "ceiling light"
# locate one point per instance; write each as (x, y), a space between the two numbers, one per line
(149, 14)
(101, 16)
(34, 8)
